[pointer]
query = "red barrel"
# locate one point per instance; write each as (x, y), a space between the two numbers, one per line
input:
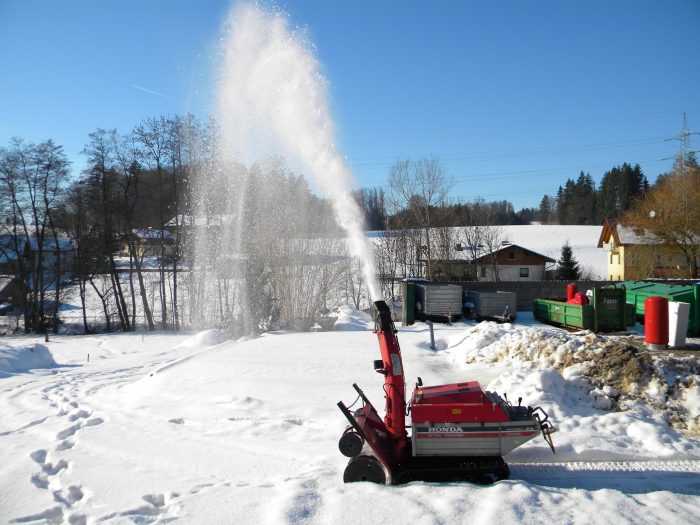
(571, 291)
(656, 322)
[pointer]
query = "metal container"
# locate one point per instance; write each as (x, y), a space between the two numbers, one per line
(565, 314)
(656, 322)
(438, 301)
(607, 311)
(500, 306)
(638, 291)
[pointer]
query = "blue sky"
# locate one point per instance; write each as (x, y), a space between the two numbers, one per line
(512, 96)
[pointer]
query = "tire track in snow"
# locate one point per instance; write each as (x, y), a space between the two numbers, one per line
(632, 477)
(652, 465)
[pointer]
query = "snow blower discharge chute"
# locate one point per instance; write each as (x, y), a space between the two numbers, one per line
(459, 431)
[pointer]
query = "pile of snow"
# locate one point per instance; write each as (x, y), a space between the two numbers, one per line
(599, 390)
(351, 319)
(204, 339)
(14, 360)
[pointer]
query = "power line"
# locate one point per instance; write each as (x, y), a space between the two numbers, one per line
(535, 173)
(513, 154)
(532, 172)
(529, 123)
(507, 194)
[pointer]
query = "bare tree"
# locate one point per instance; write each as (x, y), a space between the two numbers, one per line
(417, 192)
(101, 179)
(183, 151)
(153, 135)
(387, 260)
(482, 238)
(670, 211)
(83, 232)
(33, 178)
(130, 200)
(493, 237)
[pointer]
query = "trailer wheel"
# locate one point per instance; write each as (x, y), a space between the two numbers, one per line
(365, 468)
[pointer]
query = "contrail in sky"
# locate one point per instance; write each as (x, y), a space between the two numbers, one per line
(152, 92)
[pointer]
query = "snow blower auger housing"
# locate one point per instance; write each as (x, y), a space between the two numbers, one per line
(460, 432)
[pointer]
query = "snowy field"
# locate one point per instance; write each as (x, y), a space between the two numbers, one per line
(156, 428)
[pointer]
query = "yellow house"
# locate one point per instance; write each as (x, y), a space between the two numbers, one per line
(635, 253)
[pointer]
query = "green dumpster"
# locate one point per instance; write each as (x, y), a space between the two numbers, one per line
(607, 311)
(638, 291)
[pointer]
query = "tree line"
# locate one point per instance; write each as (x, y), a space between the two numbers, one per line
(580, 202)
(130, 222)
(132, 214)
(577, 201)
(422, 226)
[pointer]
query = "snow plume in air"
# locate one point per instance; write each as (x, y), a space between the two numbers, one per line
(272, 100)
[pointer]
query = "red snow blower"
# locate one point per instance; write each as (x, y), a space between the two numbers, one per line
(460, 432)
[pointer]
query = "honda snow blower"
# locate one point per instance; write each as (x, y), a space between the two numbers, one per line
(460, 432)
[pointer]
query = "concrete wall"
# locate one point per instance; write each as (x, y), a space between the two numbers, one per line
(528, 291)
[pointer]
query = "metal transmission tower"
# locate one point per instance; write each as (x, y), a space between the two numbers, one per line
(683, 157)
(684, 138)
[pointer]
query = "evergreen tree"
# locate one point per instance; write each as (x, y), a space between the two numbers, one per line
(584, 200)
(371, 202)
(619, 189)
(546, 210)
(568, 269)
(526, 216)
(564, 198)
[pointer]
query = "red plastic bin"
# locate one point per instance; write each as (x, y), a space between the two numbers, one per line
(656, 322)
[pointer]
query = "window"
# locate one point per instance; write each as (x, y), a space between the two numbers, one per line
(611, 258)
(524, 272)
(511, 256)
(483, 271)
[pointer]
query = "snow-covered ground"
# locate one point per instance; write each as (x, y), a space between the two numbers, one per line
(151, 428)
